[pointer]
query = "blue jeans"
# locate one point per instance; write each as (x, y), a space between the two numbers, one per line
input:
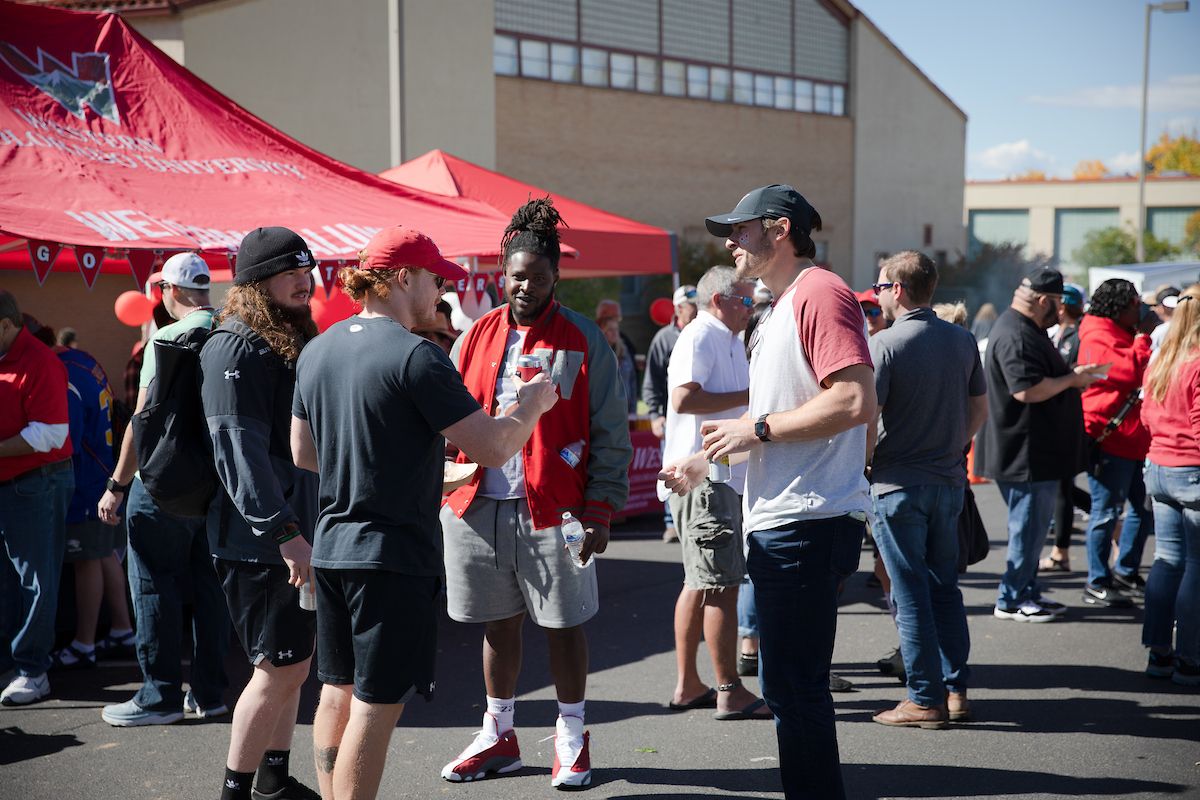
(1110, 481)
(1137, 527)
(1173, 588)
(33, 532)
(917, 534)
(169, 555)
(1030, 509)
(796, 571)
(747, 612)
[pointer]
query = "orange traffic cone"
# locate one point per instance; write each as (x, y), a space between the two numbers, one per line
(971, 476)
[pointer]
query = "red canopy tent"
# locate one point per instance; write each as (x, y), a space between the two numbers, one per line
(608, 244)
(110, 147)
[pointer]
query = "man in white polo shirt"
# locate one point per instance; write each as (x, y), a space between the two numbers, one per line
(708, 378)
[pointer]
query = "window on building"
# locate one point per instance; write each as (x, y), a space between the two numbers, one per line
(743, 87)
(535, 59)
(673, 78)
(997, 227)
(1071, 227)
(764, 90)
(595, 67)
(504, 55)
(647, 74)
(564, 63)
(823, 103)
(697, 81)
(783, 93)
(804, 95)
(1168, 223)
(622, 71)
(839, 100)
(718, 84)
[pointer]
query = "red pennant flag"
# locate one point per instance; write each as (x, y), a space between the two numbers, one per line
(328, 271)
(460, 287)
(42, 254)
(141, 264)
(479, 284)
(500, 284)
(89, 259)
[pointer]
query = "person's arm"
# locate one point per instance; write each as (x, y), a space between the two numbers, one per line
(977, 414)
(123, 472)
(492, 441)
(304, 449)
(1081, 377)
(690, 398)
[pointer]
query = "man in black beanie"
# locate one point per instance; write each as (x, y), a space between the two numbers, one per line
(260, 527)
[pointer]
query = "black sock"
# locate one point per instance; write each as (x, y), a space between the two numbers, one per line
(273, 771)
(237, 785)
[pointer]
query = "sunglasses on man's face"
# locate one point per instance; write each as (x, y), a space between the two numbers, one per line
(872, 312)
(748, 302)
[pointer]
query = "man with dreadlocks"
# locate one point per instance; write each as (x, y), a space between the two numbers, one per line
(504, 550)
(260, 526)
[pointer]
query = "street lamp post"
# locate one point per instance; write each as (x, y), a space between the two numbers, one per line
(1166, 8)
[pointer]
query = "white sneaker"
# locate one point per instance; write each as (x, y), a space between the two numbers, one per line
(190, 706)
(487, 753)
(22, 690)
(572, 757)
(1028, 611)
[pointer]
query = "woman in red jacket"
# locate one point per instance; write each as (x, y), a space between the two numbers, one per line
(1111, 419)
(1172, 413)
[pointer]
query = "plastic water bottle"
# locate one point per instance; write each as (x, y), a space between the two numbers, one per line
(308, 596)
(572, 454)
(572, 533)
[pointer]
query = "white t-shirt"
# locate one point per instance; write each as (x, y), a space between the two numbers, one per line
(507, 482)
(815, 328)
(710, 354)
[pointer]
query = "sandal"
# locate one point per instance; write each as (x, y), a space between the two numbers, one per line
(1052, 564)
(754, 710)
(706, 700)
(71, 657)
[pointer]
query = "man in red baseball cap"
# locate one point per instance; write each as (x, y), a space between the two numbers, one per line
(869, 303)
(372, 404)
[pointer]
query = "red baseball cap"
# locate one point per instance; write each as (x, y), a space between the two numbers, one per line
(867, 296)
(400, 247)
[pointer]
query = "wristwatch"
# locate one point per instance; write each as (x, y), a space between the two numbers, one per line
(115, 487)
(761, 429)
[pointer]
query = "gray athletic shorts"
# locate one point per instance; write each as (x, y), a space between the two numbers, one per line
(709, 521)
(498, 566)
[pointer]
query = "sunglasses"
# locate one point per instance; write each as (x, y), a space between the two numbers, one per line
(879, 287)
(872, 312)
(748, 302)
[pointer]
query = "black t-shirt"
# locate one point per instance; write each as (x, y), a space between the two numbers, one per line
(375, 397)
(1028, 441)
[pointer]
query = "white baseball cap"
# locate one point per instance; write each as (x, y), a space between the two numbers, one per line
(186, 270)
(684, 294)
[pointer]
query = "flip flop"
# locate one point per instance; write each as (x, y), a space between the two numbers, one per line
(706, 700)
(746, 713)
(1052, 564)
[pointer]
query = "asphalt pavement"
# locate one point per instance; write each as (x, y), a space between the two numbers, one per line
(1062, 709)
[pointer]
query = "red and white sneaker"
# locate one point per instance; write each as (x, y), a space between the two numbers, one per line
(572, 759)
(488, 753)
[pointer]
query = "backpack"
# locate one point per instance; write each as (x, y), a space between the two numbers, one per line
(170, 434)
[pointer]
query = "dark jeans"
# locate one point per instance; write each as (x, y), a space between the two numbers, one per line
(1112, 480)
(167, 556)
(1070, 497)
(1135, 530)
(796, 571)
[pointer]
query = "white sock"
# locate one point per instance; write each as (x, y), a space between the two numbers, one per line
(571, 709)
(83, 648)
(502, 710)
(119, 633)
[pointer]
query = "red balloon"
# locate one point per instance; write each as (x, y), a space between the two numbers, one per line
(338, 307)
(661, 311)
(133, 308)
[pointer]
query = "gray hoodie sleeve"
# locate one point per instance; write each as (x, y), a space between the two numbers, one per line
(236, 391)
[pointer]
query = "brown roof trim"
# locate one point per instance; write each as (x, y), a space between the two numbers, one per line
(134, 7)
(1068, 181)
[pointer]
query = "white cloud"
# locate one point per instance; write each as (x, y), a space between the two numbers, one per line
(1123, 163)
(1011, 158)
(1176, 93)
(1182, 126)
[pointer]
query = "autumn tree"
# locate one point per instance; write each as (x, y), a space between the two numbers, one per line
(1030, 175)
(1179, 154)
(1191, 234)
(1090, 170)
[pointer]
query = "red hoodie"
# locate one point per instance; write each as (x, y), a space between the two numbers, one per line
(1103, 341)
(591, 409)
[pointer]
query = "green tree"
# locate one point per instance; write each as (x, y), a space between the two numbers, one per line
(1106, 246)
(1191, 234)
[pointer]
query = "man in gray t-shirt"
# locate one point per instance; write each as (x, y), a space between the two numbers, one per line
(932, 400)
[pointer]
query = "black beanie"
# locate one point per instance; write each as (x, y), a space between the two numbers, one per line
(269, 251)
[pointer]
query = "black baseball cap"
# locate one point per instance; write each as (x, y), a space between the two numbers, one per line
(1044, 281)
(771, 202)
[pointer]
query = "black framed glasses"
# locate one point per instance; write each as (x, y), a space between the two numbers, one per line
(879, 287)
(748, 302)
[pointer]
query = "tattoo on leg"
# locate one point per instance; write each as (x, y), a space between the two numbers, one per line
(326, 756)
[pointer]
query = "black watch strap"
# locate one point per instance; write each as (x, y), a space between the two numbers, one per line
(114, 487)
(761, 430)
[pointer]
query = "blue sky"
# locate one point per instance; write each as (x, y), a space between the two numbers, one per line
(1048, 83)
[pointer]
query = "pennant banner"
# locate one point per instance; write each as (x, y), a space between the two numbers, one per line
(141, 264)
(327, 271)
(42, 254)
(500, 285)
(479, 286)
(460, 287)
(89, 260)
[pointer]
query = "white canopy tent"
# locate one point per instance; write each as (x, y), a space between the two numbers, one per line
(1147, 277)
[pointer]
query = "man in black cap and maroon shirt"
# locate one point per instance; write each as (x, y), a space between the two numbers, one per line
(1032, 436)
(373, 402)
(260, 524)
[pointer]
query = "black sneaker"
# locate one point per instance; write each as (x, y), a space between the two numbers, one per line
(1187, 673)
(1109, 596)
(292, 789)
(839, 684)
(1132, 585)
(1160, 665)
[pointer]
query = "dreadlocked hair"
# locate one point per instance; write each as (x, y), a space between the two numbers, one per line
(534, 229)
(1111, 298)
(285, 331)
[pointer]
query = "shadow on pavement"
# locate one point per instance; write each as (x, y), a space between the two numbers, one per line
(16, 745)
(704, 782)
(919, 780)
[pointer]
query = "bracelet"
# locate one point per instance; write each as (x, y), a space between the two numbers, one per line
(290, 531)
(729, 687)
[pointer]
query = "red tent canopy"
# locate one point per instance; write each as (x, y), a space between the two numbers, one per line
(108, 145)
(607, 244)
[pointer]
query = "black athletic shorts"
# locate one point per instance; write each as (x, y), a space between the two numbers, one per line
(377, 630)
(266, 612)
